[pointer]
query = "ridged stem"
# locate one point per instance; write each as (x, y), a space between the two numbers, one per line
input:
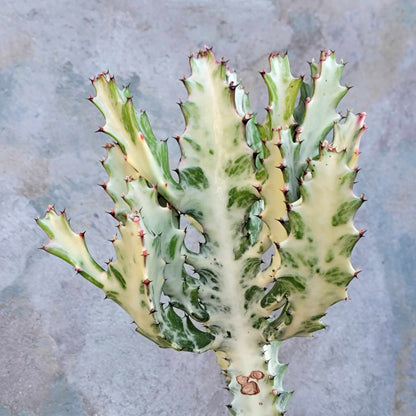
(254, 379)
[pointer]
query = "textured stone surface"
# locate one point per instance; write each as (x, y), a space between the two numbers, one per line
(67, 352)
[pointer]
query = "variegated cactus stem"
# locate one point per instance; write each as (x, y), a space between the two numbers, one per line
(284, 185)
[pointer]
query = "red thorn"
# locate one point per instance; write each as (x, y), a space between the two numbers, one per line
(145, 253)
(247, 117)
(82, 234)
(361, 118)
(77, 269)
(361, 233)
(147, 282)
(277, 245)
(152, 311)
(136, 219)
(323, 144)
(100, 129)
(141, 233)
(357, 272)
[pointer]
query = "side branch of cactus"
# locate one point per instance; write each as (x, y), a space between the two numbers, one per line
(316, 267)
(247, 187)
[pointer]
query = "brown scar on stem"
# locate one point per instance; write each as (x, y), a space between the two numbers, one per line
(251, 388)
(242, 380)
(256, 374)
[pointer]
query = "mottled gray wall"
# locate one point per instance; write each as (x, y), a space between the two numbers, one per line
(64, 351)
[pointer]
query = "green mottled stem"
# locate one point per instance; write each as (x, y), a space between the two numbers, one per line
(254, 377)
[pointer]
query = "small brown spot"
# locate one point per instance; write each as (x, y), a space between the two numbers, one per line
(250, 389)
(256, 374)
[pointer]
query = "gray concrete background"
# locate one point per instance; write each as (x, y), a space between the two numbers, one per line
(64, 351)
